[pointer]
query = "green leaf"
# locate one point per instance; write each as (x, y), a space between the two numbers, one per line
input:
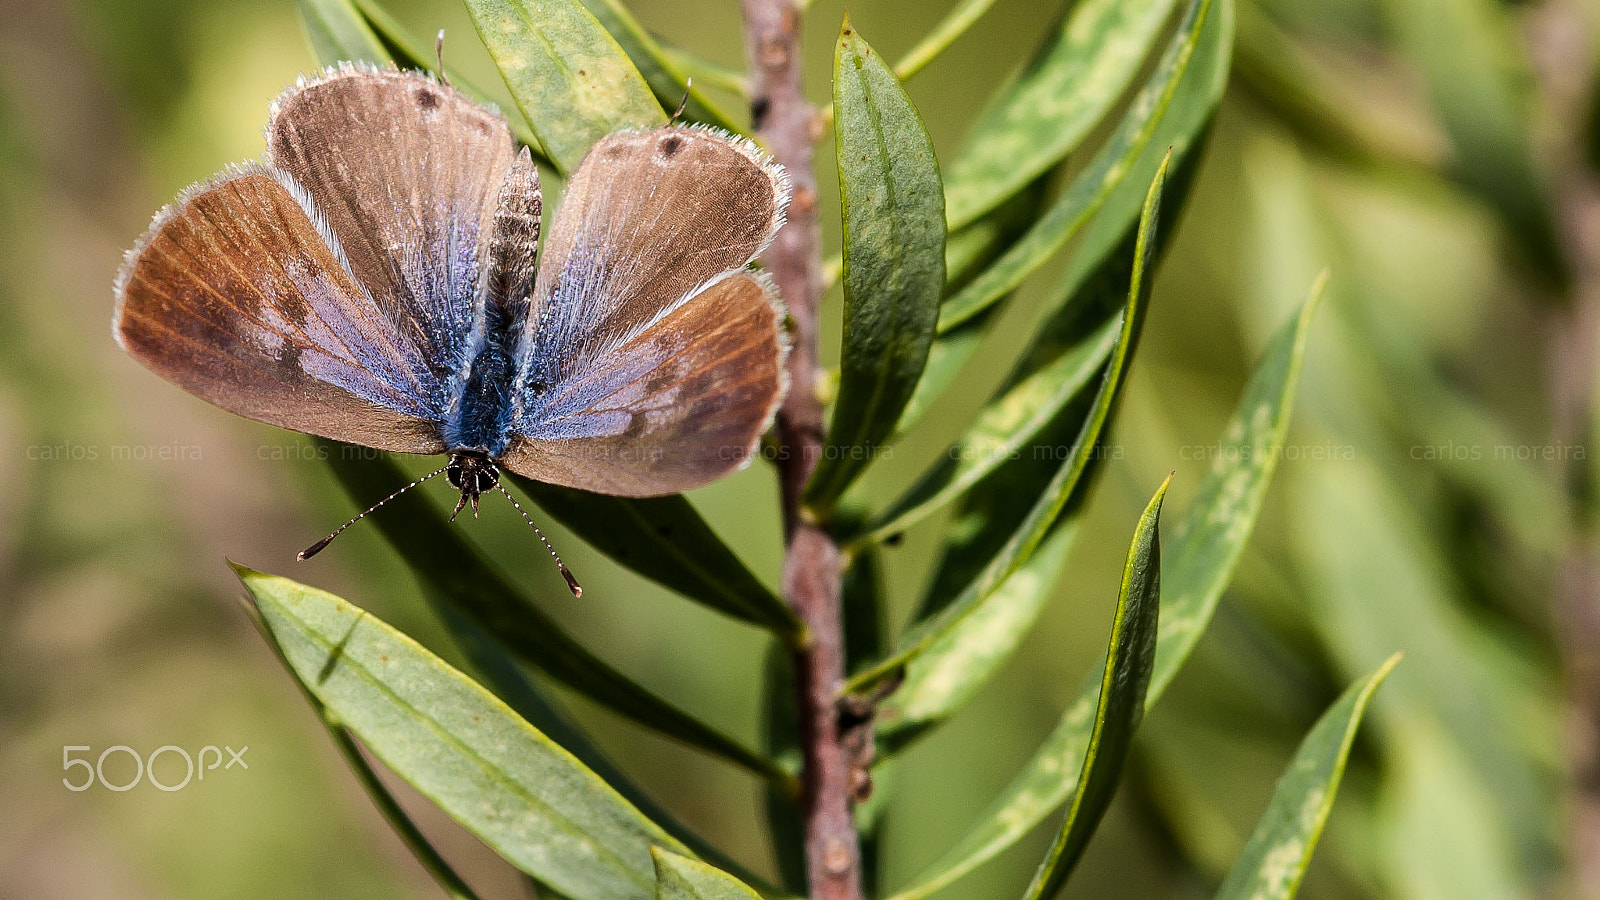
(1069, 86)
(1056, 494)
(1482, 720)
(452, 883)
(446, 563)
(1003, 430)
(939, 683)
(1091, 189)
(1211, 535)
(1274, 861)
(1200, 559)
(1122, 693)
(1179, 131)
(665, 78)
(666, 540)
(500, 673)
(707, 73)
(947, 674)
(338, 31)
(682, 878)
(566, 73)
(893, 260)
(461, 747)
(967, 252)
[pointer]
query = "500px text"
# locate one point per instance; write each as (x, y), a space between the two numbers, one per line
(144, 768)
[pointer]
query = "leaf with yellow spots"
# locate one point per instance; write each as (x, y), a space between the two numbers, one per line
(1274, 861)
(566, 72)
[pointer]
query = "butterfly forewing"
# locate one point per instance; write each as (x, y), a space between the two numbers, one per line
(406, 172)
(648, 220)
(235, 296)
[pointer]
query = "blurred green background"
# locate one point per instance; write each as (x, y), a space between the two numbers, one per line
(1419, 506)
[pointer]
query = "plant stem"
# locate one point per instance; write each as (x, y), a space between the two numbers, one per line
(1562, 55)
(812, 570)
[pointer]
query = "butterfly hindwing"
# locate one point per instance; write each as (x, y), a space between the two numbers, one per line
(642, 324)
(675, 407)
(234, 295)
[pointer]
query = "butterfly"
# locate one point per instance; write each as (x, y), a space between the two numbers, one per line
(376, 279)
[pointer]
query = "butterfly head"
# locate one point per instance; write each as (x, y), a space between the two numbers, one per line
(473, 474)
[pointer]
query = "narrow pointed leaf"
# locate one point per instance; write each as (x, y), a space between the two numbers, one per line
(566, 73)
(1059, 491)
(461, 747)
(968, 252)
(337, 31)
(893, 259)
(1005, 429)
(500, 673)
(1274, 861)
(666, 540)
(938, 683)
(1200, 559)
(448, 879)
(1208, 540)
(446, 563)
(1090, 190)
(1073, 82)
(1121, 706)
(947, 674)
(659, 71)
(682, 878)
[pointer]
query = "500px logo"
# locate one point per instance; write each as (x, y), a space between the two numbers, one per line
(144, 768)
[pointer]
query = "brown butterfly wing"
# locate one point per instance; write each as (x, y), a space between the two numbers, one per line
(676, 406)
(235, 296)
(406, 172)
(651, 364)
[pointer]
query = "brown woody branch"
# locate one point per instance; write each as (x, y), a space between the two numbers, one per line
(1563, 56)
(787, 123)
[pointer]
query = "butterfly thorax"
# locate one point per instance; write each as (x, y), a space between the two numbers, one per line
(480, 418)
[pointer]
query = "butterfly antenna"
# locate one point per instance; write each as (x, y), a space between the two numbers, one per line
(316, 548)
(577, 589)
(688, 85)
(438, 54)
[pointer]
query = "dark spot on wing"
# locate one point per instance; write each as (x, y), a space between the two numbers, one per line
(758, 111)
(671, 144)
(426, 98)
